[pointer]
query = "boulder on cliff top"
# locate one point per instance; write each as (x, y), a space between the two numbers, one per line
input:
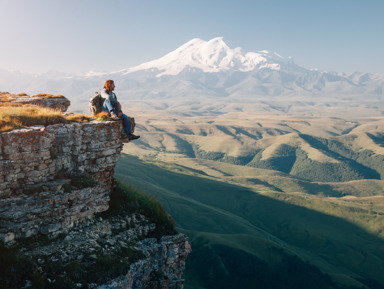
(56, 102)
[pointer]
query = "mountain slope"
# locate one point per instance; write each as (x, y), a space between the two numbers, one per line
(201, 70)
(261, 233)
(252, 73)
(211, 56)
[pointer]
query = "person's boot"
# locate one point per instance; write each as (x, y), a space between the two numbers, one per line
(114, 117)
(132, 136)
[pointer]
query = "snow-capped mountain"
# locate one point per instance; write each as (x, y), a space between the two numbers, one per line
(212, 56)
(201, 70)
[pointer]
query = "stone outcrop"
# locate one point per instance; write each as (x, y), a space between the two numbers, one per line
(39, 154)
(56, 102)
(56, 181)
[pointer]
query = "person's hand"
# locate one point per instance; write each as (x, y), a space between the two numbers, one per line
(120, 114)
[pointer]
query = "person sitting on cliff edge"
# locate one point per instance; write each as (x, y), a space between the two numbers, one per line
(112, 106)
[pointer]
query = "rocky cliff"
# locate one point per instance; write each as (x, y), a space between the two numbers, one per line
(56, 184)
(37, 166)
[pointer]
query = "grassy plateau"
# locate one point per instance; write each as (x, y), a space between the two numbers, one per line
(268, 201)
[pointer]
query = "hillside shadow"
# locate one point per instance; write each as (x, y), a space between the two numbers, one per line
(225, 130)
(183, 146)
(239, 130)
(265, 184)
(378, 139)
(207, 206)
(320, 189)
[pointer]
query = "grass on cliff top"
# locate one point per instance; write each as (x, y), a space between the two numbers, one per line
(48, 95)
(20, 117)
(7, 95)
(15, 116)
(102, 116)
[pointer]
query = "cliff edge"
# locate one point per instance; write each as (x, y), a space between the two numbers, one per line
(63, 217)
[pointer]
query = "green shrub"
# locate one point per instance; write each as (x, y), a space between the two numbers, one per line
(77, 181)
(14, 270)
(125, 200)
(82, 181)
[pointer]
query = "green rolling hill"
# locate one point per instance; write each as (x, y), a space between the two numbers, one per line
(270, 201)
(243, 237)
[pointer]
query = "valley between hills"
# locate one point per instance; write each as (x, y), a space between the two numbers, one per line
(270, 197)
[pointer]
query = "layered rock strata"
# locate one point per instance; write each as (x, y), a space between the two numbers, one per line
(34, 167)
(152, 263)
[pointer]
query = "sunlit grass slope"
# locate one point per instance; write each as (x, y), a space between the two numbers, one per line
(18, 117)
(293, 240)
(337, 151)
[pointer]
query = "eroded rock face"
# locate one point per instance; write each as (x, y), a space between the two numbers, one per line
(34, 167)
(149, 263)
(162, 268)
(51, 211)
(39, 154)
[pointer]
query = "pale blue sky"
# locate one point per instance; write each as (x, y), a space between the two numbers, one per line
(106, 35)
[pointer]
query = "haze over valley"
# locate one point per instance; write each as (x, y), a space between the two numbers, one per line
(210, 76)
(274, 171)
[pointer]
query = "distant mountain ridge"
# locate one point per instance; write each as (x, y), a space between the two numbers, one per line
(212, 56)
(205, 69)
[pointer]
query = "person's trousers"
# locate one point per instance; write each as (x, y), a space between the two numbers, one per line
(107, 106)
(126, 124)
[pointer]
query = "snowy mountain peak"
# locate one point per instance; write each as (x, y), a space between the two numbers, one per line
(211, 56)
